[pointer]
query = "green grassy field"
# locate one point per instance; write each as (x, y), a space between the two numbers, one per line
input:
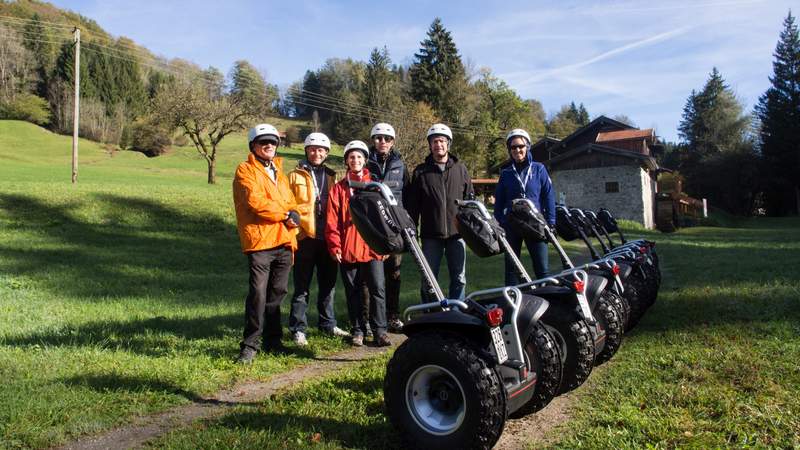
(122, 295)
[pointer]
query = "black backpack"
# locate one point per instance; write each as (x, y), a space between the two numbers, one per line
(526, 221)
(608, 221)
(564, 226)
(379, 223)
(480, 234)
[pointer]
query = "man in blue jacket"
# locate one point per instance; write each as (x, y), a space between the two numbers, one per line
(524, 178)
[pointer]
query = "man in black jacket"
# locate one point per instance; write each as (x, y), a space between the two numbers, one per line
(386, 165)
(430, 199)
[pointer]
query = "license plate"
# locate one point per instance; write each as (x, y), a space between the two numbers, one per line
(499, 345)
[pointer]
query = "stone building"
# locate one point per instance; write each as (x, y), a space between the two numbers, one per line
(605, 164)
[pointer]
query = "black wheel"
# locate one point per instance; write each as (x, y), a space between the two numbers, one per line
(575, 343)
(638, 305)
(440, 394)
(622, 305)
(544, 358)
(609, 318)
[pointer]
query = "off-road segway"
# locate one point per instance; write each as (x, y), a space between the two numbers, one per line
(466, 364)
(631, 274)
(603, 282)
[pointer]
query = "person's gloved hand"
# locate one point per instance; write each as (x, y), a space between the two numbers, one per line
(292, 219)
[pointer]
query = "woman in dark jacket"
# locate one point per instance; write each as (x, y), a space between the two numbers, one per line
(524, 178)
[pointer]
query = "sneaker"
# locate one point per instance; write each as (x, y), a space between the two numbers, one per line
(383, 341)
(369, 332)
(299, 338)
(246, 355)
(358, 340)
(338, 332)
(395, 325)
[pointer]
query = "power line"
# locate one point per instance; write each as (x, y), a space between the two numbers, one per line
(43, 23)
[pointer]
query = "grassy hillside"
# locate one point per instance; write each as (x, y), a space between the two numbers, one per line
(122, 295)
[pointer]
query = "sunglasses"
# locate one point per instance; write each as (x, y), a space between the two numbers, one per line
(266, 142)
(383, 138)
(518, 147)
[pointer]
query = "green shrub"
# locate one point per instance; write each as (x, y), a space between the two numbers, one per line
(149, 138)
(27, 107)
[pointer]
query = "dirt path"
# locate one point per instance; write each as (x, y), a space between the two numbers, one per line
(143, 429)
(521, 433)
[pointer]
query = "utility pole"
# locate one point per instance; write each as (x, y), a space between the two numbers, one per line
(76, 112)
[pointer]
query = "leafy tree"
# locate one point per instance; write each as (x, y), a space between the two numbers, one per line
(437, 75)
(26, 106)
(205, 112)
(778, 110)
(17, 66)
(248, 84)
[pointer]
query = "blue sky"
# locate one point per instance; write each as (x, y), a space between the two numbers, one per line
(638, 58)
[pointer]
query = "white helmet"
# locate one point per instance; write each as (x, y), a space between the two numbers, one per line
(263, 129)
(356, 146)
(440, 129)
(318, 139)
(518, 132)
(382, 129)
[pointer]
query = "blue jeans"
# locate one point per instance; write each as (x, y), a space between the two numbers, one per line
(538, 251)
(455, 250)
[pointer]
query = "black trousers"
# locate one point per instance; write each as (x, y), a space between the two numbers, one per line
(391, 271)
(371, 273)
(313, 253)
(269, 279)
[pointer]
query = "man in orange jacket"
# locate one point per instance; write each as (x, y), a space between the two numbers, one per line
(267, 218)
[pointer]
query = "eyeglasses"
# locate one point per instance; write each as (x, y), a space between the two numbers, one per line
(383, 138)
(518, 147)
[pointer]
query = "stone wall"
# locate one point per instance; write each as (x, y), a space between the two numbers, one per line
(586, 188)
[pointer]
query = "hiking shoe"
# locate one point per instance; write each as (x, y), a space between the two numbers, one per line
(338, 332)
(383, 341)
(358, 340)
(299, 338)
(246, 355)
(395, 325)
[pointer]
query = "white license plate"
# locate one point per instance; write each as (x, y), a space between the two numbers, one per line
(499, 345)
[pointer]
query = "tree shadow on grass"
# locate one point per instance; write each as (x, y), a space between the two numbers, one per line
(131, 247)
(155, 337)
(357, 426)
(121, 383)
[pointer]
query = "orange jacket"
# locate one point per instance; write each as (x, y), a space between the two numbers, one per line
(261, 206)
(303, 189)
(340, 233)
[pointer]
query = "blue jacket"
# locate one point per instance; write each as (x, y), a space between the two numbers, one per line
(538, 189)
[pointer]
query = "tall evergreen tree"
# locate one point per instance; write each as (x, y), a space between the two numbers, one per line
(41, 43)
(778, 110)
(712, 119)
(381, 90)
(718, 161)
(437, 75)
(247, 85)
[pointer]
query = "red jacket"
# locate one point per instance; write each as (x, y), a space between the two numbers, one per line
(340, 233)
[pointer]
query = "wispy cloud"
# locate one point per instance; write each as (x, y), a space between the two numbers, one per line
(535, 77)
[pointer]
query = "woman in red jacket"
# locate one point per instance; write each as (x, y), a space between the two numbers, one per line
(357, 261)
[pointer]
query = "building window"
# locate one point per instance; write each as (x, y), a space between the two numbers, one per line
(612, 186)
